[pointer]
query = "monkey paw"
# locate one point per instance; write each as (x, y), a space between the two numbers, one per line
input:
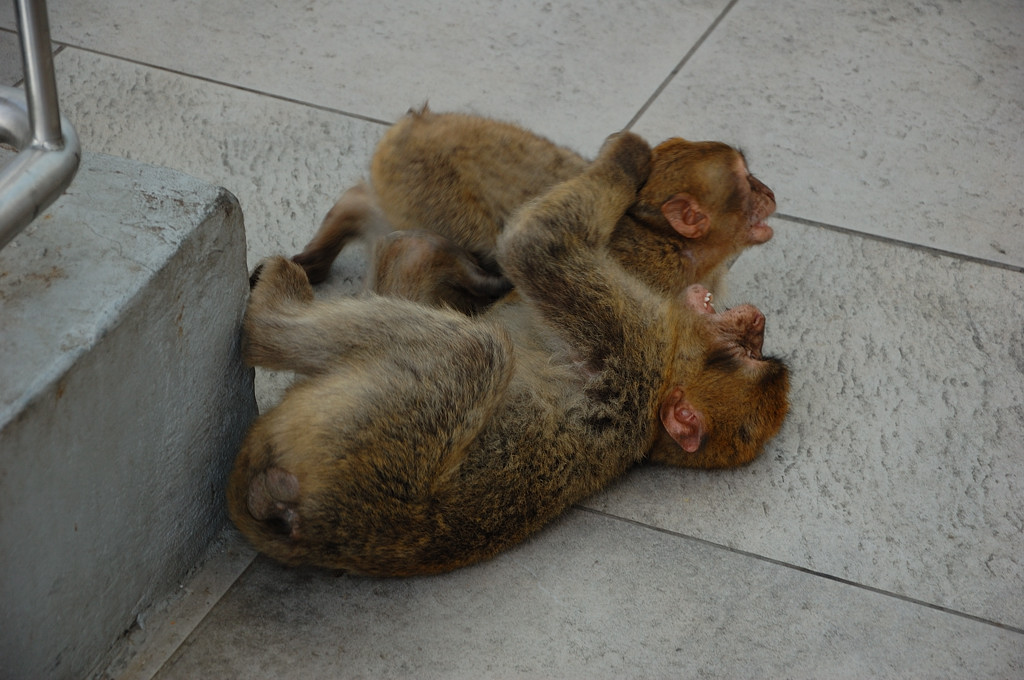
(630, 154)
(277, 278)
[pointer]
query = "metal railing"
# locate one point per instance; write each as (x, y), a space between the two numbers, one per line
(30, 121)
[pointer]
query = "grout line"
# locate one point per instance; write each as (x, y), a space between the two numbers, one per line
(682, 62)
(805, 570)
(164, 627)
(931, 250)
(56, 50)
(233, 86)
(60, 47)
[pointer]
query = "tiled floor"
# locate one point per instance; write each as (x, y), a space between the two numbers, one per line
(881, 535)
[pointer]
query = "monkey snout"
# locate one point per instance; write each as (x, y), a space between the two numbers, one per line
(744, 325)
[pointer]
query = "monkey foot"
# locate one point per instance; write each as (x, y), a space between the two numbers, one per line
(273, 499)
(316, 264)
(281, 278)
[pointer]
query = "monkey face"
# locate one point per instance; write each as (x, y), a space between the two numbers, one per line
(738, 332)
(735, 397)
(749, 202)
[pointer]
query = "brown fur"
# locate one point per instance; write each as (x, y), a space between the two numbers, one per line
(422, 439)
(462, 177)
(428, 268)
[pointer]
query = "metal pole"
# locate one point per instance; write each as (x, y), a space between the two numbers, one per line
(30, 120)
(40, 84)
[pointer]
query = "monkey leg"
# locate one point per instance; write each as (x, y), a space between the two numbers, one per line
(343, 473)
(432, 269)
(355, 215)
(286, 329)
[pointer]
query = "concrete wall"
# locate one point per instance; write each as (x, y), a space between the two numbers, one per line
(122, 403)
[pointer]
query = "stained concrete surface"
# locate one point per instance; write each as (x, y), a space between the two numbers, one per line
(593, 597)
(122, 399)
(892, 137)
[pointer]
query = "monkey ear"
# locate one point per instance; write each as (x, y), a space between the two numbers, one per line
(683, 422)
(685, 216)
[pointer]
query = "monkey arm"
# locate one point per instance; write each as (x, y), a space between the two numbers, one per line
(588, 206)
(556, 253)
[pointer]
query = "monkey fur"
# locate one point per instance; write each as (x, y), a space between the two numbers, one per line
(420, 439)
(449, 183)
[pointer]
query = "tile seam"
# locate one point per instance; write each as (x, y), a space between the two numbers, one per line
(809, 572)
(911, 245)
(229, 85)
(682, 62)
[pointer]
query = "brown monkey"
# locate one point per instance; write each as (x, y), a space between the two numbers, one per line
(423, 439)
(461, 177)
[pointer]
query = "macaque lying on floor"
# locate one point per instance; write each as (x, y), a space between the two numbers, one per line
(421, 439)
(449, 183)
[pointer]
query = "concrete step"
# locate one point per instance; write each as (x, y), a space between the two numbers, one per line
(122, 402)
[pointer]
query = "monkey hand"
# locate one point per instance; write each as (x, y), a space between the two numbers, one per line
(629, 154)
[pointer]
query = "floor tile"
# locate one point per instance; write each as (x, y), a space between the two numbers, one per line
(10, 59)
(900, 466)
(904, 120)
(576, 71)
(286, 163)
(589, 597)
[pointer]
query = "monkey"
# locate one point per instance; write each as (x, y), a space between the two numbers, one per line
(421, 439)
(450, 181)
(460, 177)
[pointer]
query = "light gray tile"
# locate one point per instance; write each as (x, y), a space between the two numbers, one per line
(902, 119)
(573, 70)
(590, 597)
(286, 163)
(10, 59)
(900, 465)
(11, 69)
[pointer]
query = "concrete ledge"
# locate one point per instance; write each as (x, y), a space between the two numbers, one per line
(122, 402)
